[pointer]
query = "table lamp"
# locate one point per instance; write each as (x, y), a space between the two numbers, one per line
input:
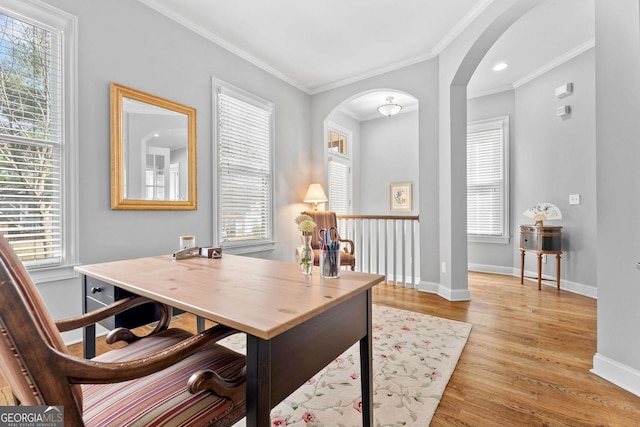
(315, 194)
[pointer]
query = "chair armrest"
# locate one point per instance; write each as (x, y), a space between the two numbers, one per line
(351, 245)
(232, 387)
(83, 371)
(117, 307)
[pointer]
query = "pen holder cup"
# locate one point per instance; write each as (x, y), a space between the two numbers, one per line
(330, 263)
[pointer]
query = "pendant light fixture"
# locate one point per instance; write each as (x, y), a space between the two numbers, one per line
(390, 108)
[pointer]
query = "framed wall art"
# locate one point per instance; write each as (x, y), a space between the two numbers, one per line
(400, 197)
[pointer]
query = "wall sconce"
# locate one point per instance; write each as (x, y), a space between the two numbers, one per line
(390, 108)
(315, 194)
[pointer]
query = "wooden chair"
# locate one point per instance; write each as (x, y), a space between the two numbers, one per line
(169, 377)
(326, 220)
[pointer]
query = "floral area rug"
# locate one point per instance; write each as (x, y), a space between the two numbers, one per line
(413, 358)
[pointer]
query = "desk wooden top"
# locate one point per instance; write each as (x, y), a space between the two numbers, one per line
(257, 296)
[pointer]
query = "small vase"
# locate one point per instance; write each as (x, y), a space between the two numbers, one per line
(304, 254)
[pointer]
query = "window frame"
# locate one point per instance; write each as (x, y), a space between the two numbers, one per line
(501, 122)
(46, 16)
(241, 247)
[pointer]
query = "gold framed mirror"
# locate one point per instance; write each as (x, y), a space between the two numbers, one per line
(153, 152)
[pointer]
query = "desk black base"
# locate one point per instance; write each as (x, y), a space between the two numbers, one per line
(287, 361)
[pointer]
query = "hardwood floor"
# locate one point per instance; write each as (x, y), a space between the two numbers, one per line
(526, 362)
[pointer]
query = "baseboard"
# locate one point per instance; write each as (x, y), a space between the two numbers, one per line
(615, 372)
(430, 287)
(454, 294)
(493, 269)
(567, 285)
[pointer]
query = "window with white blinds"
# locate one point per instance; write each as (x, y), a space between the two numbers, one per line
(34, 201)
(487, 180)
(339, 186)
(244, 139)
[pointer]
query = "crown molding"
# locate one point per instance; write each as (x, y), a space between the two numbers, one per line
(369, 74)
(581, 48)
(492, 91)
(460, 26)
(211, 36)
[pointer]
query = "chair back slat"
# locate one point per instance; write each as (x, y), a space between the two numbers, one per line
(27, 333)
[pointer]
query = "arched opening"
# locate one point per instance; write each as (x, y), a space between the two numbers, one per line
(374, 136)
(365, 153)
(542, 125)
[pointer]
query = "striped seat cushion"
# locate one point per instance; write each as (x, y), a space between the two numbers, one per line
(161, 399)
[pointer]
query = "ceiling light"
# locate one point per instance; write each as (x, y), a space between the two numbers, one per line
(389, 109)
(500, 66)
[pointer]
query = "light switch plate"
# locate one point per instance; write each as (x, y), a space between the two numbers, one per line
(574, 199)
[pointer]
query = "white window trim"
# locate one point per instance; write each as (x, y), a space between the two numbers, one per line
(235, 248)
(57, 20)
(488, 124)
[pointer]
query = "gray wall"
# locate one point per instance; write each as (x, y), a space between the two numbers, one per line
(618, 191)
(495, 257)
(420, 81)
(131, 44)
(554, 157)
(550, 158)
(389, 155)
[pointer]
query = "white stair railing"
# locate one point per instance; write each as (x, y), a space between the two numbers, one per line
(385, 244)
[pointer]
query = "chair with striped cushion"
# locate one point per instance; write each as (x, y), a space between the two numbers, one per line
(170, 377)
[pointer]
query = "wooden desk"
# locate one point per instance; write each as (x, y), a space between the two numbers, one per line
(295, 324)
(543, 240)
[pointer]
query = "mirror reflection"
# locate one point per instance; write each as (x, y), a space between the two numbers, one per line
(153, 152)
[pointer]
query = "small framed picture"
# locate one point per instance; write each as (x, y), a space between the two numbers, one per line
(400, 197)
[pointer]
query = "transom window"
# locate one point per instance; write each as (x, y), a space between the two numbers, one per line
(337, 142)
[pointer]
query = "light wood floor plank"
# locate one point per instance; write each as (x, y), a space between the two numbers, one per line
(526, 362)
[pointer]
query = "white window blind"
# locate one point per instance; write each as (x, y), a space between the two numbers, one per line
(244, 139)
(31, 214)
(487, 179)
(338, 186)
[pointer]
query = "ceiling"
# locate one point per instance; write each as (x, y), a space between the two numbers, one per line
(322, 45)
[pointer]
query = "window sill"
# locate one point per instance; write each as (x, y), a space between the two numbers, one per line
(503, 240)
(247, 248)
(53, 274)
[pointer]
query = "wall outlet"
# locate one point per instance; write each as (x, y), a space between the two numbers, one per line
(574, 199)
(443, 267)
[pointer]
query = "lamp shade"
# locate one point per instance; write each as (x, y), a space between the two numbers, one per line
(390, 108)
(315, 194)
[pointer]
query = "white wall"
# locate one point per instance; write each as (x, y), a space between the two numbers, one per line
(618, 191)
(389, 155)
(131, 44)
(553, 157)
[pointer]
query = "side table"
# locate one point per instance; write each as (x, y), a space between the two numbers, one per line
(543, 240)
